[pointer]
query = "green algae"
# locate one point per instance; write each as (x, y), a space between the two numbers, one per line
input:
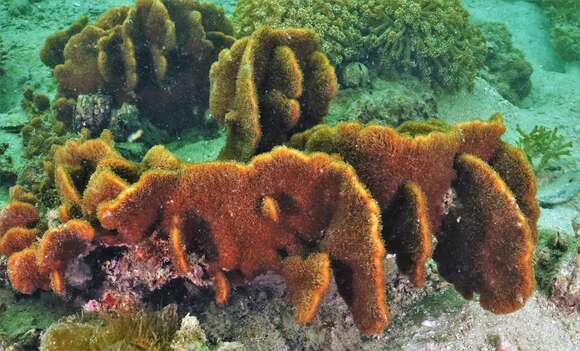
(553, 249)
(18, 316)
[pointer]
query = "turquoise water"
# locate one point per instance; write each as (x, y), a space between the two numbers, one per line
(132, 138)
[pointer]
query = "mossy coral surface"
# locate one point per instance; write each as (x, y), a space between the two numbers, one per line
(430, 39)
(339, 23)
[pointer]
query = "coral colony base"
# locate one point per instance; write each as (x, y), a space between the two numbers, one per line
(301, 215)
(305, 200)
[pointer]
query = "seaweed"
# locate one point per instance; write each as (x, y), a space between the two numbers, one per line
(543, 147)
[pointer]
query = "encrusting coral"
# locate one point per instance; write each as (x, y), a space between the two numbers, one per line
(156, 54)
(430, 39)
(268, 86)
(455, 181)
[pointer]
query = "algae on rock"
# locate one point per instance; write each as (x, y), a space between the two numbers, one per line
(506, 68)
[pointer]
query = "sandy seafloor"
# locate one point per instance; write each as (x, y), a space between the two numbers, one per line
(553, 102)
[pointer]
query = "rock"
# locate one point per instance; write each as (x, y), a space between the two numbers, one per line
(93, 112)
(387, 103)
(566, 287)
(501, 343)
(355, 75)
(560, 191)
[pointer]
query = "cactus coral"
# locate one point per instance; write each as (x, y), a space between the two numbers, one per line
(322, 196)
(156, 54)
(430, 39)
(302, 216)
(318, 220)
(268, 86)
(338, 23)
(416, 202)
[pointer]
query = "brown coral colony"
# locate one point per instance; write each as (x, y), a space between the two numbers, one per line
(334, 209)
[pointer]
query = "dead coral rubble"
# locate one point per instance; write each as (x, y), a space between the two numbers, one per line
(156, 54)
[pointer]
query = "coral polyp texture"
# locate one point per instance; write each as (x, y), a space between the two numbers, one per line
(275, 214)
(339, 23)
(462, 183)
(156, 54)
(430, 39)
(268, 86)
(304, 217)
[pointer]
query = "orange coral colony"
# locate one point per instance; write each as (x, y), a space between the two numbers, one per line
(420, 176)
(156, 54)
(267, 87)
(268, 215)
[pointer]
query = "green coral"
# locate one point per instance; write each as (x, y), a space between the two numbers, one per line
(551, 251)
(151, 331)
(339, 23)
(506, 67)
(564, 16)
(543, 147)
(430, 39)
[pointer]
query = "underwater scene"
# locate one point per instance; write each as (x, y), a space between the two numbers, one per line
(272, 175)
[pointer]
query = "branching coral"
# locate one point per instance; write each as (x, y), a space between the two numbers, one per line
(339, 23)
(268, 86)
(156, 54)
(431, 39)
(439, 181)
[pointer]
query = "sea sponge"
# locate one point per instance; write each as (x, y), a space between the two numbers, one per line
(430, 39)
(269, 86)
(339, 23)
(423, 177)
(52, 53)
(156, 54)
(18, 221)
(267, 220)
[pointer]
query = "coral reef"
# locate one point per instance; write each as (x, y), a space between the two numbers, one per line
(564, 18)
(300, 216)
(156, 55)
(430, 39)
(543, 147)
(461, 198)
(339, 23)
(506, 68)
(290, 218)
(269, 86)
